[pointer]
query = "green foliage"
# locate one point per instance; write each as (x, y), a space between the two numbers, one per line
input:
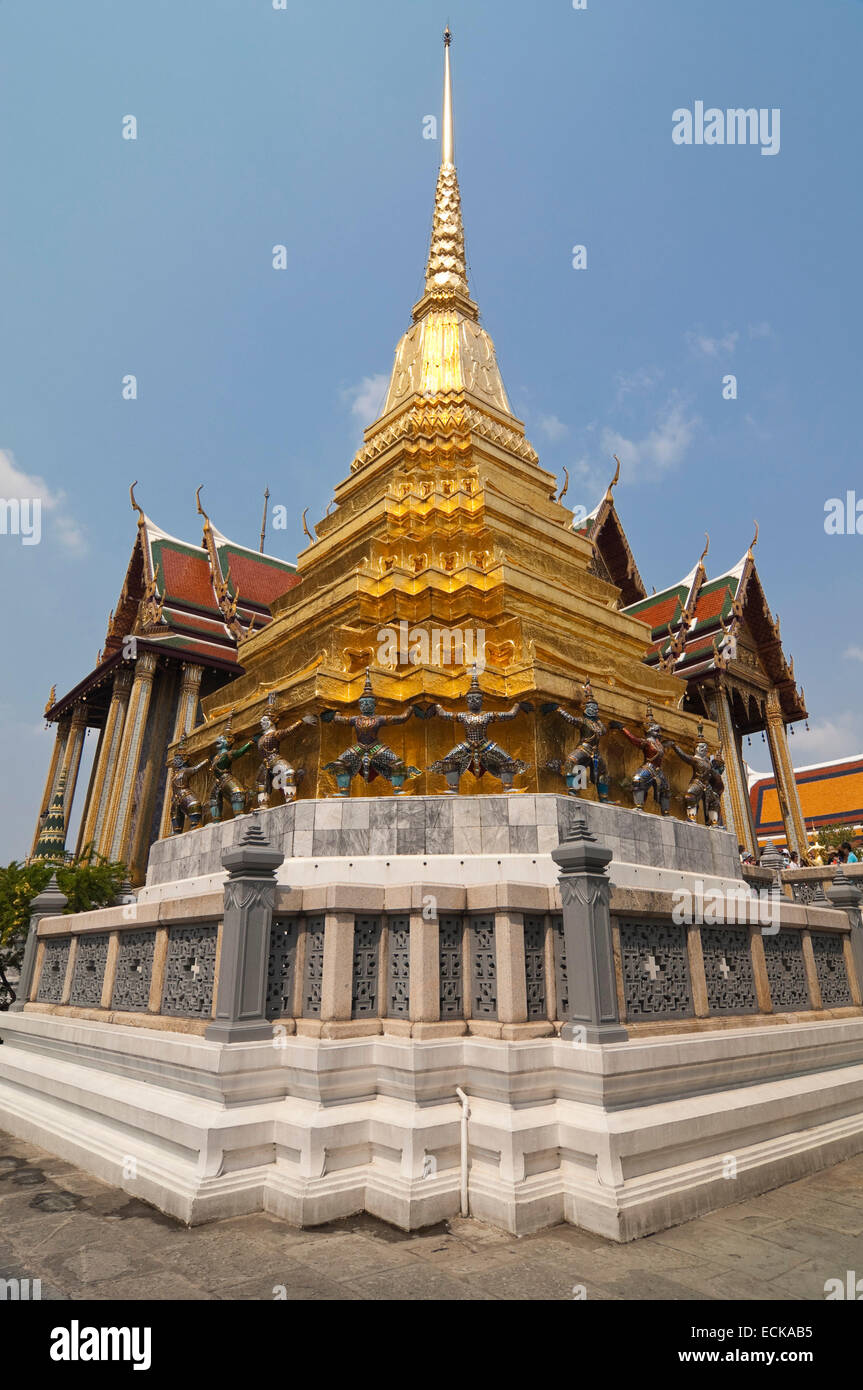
(89, 881)
(19, 885)
(835, 835)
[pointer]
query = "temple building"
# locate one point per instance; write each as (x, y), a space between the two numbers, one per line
(447, 523)
(525, 1009)
(446, 533)
(171, 641)
(830, 793)
(719, 636)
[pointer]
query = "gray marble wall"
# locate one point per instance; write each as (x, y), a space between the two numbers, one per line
(493, 825)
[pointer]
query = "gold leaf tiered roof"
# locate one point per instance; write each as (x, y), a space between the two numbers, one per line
(446, 521)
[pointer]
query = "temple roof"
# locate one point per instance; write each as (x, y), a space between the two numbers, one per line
(702, 625)
(831, 793)
(613, 558)
(698, 625)
(191, 602)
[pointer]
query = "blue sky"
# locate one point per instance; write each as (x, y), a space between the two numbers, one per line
(305, 127)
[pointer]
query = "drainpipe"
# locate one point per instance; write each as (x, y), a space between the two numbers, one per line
(465, 1116)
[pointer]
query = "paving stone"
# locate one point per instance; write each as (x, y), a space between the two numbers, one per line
(107, 1244)
(347, 1256)
(807, 1280)
(215, 1258)
(753, 1253)
(526, 1280)
(419, 1282)
(814, 1242)
(161, 1284)
(643, 1286)
(294, 1286)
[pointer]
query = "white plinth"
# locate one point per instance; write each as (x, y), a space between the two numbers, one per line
(622, 1140)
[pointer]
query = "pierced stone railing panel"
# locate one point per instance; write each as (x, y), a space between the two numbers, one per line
(190, 970)
(134, 975)
(53, 976)
(831, 969)
(786, 971)
(656, 980)
(728, 970)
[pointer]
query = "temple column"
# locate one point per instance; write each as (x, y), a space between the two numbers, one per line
(783, 771)
(106, 764)
(114, 842)
(187, 707)
(72, 755)
(60, 740)
(736, 806)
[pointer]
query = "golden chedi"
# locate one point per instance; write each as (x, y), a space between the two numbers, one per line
(446, 546)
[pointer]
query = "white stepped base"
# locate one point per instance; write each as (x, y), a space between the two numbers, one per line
(621, 1140)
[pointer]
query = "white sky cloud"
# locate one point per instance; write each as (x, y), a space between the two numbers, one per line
(713, 347)
(839, 736)
(60, 524)
(853, 653)
(662, 449)
(367, 397)
(552, 427)
(642, 379)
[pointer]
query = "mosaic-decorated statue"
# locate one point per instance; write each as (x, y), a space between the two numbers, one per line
(275, 773)
(477, 753)
(700, 791)
(185, 806)
(650, 774)
(223, 784)
(368, 757)
(716, 789)
(585, 761)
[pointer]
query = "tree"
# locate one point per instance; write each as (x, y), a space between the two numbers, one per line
(89, 881)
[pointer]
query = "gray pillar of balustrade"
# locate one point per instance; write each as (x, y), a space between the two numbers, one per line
(250, 895)
(585, 891)
(49, 903)
(845, 894)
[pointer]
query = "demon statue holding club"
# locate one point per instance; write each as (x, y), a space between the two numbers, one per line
(585, 763)
(185, 806)
(368, 757)
(275, 773)
(705, 789)
(650, 774)
(477, 753)
(223, 785)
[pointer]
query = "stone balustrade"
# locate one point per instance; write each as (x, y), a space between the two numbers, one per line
(803, 883)
(430, 959)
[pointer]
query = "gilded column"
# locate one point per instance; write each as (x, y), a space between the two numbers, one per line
(57, 757)
(72, 754)
(187, 707)
(119, 816)
(783, 770)
(736, 806)
(106, 767)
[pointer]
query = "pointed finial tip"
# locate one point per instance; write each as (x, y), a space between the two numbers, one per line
(447, 36)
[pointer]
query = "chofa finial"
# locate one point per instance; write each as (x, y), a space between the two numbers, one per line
(616, 479)
(135, 504)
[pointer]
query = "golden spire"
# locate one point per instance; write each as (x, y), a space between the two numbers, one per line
(447, 153)
(446, 351)
(446, 270)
